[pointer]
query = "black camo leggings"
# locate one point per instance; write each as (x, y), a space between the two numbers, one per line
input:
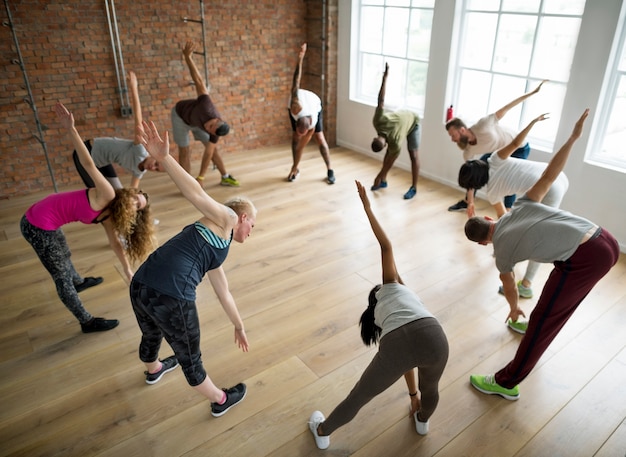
(161, 316)
(54, 253)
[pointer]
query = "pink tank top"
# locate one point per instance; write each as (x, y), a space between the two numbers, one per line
(59, 209)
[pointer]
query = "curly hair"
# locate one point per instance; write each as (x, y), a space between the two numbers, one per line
(135, 226)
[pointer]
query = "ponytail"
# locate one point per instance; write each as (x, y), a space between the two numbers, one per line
(370, 332)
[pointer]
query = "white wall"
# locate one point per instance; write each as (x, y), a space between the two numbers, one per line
(598, 194)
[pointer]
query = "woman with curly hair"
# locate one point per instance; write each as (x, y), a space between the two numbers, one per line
(125, 210)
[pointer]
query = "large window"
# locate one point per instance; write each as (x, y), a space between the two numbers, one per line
(609, 139)
(506, 48)
(396, 32)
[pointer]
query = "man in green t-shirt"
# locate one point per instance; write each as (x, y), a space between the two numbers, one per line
(391, 128)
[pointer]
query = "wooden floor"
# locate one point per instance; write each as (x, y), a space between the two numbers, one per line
(301, 282)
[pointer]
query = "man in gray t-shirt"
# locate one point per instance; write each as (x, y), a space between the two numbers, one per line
(582, 254)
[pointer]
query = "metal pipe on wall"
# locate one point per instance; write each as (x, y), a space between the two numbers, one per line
(122, 88)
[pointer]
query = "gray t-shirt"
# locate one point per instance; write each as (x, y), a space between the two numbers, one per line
(125, 153)
(397, 305)
(534, 231)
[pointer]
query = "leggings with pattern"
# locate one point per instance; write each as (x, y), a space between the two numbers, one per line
(422, 344)
(161, 316)
(54, 253)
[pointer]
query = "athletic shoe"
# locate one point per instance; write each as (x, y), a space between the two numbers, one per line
(410, 193)
(322, 442)
(168, 364)
(487, 384)
(330, 178)
(229, 180)
(524, 292)
(420, 427)
(293, 176)
(99, 324)
(233, 396)
(381, 185)
(88, 282)
(518, 326)
(461, 205)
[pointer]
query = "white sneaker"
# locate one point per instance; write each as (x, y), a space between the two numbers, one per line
(315, 420)
(420, 427)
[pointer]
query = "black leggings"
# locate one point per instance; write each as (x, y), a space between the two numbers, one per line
(161, 316)
(54, 253)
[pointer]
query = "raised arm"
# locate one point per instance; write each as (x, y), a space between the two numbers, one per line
(201, 88)
(383, 88)
(505, 109)
(136, 105)
(160, 150)
(390, 273)
(520, 139)
(104, 191)
(296, 107)
(557, 163)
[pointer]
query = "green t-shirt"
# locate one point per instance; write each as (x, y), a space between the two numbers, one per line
(394, 126)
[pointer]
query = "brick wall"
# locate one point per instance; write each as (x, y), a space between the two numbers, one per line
(67, 53)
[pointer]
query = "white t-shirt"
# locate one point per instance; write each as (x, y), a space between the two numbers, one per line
(397, 305)
(311, 106)
(490, 136)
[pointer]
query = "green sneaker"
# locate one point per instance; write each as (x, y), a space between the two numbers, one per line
(524, 292)
(518, 326)
(487, 384)
(229, 181)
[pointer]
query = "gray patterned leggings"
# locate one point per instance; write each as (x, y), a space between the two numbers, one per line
(422, 344)
(54, 253)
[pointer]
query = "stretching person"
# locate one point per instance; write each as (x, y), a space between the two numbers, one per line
(483, 138)
(131, 155)
(409, 336)
(305, 115)
(41, 226)
(391, 129)
(200, 117)
(582, 254)
(163, 291)
(502, 175)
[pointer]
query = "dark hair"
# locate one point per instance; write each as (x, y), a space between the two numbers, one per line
(370, 332)
(474, 174)
(377, 145)
(223, 129)
(456, 123)
(477, 229)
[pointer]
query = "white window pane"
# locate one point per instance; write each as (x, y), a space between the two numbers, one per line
(421, 27)
(613, 150)
(474, 95)
(521, 6)
(573, 7)
(480, 32)
(556, 41)
(372, 2)
(371, 37)
(416, 85)
(398, 2)
(515, 43)
(396, 31)
(424, 3)
(483, 5)
(622, 62)
(504, 89)
(396, 83)
(372, 67)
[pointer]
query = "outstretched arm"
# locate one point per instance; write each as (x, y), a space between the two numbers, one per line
(201, 88)
(520, 139)
(390, 273)
(383, 87)
(411, 384)
(136, 105)
(104, 192)
(296, 107)
(557, 163)
(160, 150)
(217, 277)
(502, 111)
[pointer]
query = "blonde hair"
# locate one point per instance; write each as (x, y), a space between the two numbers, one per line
(241, 205)
(135, 226)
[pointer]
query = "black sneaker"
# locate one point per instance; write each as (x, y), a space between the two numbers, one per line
(461, 205)
(330, 178)
(88, 282)
(233, 396)
(99, 324)
(168, 363)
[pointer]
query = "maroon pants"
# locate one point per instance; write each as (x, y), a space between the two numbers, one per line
(568, 284)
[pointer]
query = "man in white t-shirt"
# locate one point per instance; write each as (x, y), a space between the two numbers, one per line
(305, 114)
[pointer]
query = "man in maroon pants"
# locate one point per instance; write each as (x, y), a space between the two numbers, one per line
(582, 254)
